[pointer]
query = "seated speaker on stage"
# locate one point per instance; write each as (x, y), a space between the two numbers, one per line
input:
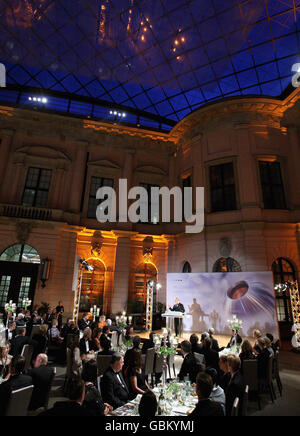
(178, 307)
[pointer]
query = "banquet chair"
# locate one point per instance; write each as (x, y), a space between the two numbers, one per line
(267, 383)
(35, 330)
(276, 375)
(251, 378)
(235, 408)
(103, 363)
(245, 401)
(27, 354)
(19, 402)
(158, 367)
(149, 363)
(200, 358)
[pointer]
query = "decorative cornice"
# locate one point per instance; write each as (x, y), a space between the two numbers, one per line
(124, 130)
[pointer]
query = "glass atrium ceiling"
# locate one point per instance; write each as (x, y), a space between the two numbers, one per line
(153, 60)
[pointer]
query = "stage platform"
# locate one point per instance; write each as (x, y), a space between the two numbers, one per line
(223, 340)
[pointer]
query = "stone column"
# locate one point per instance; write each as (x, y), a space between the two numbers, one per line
(6, 140)
(58, 189)
(75, 191)
(247, 174)
(293, 166)
(255, 247)
(122, 271)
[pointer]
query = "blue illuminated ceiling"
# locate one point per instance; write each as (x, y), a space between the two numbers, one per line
(160, 59)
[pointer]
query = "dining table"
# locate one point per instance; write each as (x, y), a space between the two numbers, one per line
(180, 400)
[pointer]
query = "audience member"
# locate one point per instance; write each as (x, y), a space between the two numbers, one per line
(236, 386)
(84, 322)
(236, 339)
(217, 395)
(113, 387)
(211, 356)
(256, 335)
(205, 407)
(190, 367)
(86, 344)
(136, 342)
(246, 353)
(196, 347)
(263, 358)
(96, 338)
(136, 380)
(5, 361)
(148, 343)
(42, 377)
(18, 342)
(93, 400)
(16, 380)
(73, 407)
(148, 405)
(214, 342)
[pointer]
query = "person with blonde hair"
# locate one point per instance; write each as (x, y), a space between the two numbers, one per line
(256, 335)
(247, 353)
(269, 347)
(236, 386)
(5, 361)
(225, 375)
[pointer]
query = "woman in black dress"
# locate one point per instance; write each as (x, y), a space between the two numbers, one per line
(5, 361)
(136, 380)
(93, 400)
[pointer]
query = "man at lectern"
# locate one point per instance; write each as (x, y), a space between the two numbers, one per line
(178, 307)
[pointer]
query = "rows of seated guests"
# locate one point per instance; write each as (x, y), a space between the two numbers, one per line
(219, 381)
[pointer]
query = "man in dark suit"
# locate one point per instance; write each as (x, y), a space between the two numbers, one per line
(196, 347)
(189, 367)
(263, 359)
(86, 344)
(42, 377)
(236, 386)
(18, 342)
(211, 356)
(205, 406)
(16, 381)
(74, 406)
(84, 322)
(236, 339)
(178, 307)
(148, 343)
(113, 387)
(105, 341)
(214, 342)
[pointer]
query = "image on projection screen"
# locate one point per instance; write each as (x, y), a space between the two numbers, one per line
(211, 299)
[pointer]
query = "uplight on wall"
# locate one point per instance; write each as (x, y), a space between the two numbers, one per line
(45, 271)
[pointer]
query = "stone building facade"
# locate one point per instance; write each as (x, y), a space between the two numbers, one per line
(246, 136)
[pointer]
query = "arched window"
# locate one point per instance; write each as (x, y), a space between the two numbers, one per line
(92, 290)
(227, 265)
(138, 295)
(186, 268)
(283, 271)
(21, 253)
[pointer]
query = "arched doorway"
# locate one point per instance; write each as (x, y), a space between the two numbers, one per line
(19, 265)
(138, 289)
(187, 269)
(92, 291)
(284, 271)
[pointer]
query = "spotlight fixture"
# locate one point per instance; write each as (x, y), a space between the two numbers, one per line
(42, 100)
(117, 115)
